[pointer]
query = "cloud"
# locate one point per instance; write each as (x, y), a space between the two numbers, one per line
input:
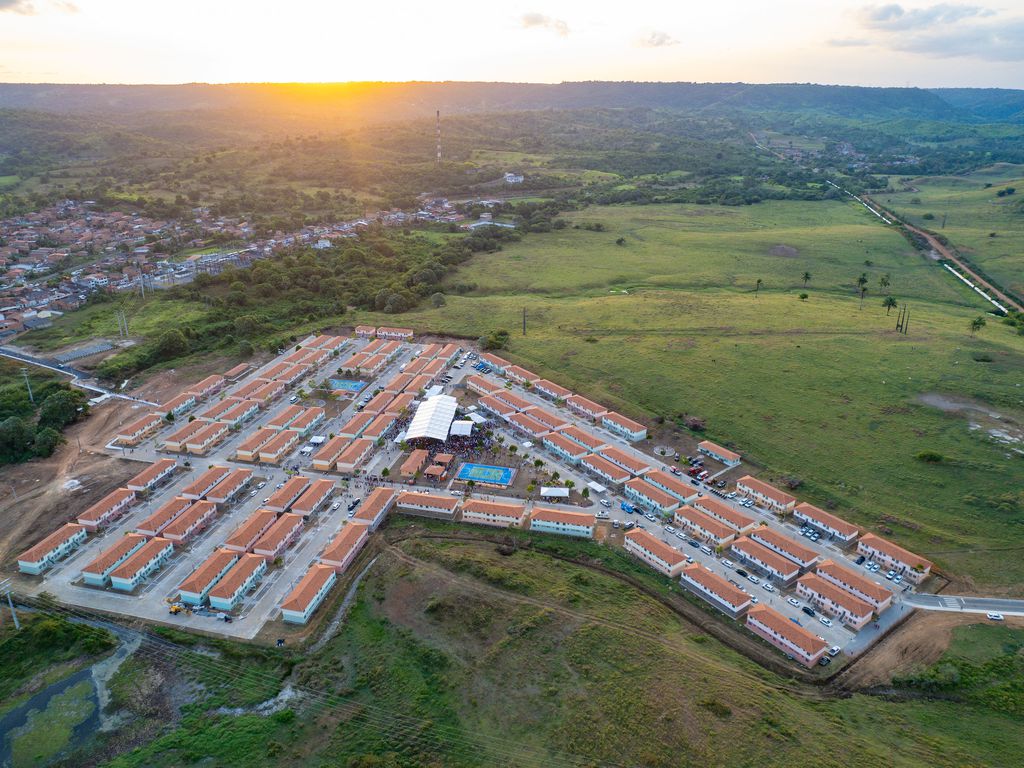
(657, 39)
(942, 31)
(29, 8)
(24, 7)
(849, 43)
(539, 20)
(895, 17)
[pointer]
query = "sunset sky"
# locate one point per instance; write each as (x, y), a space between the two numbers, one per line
(825, 41)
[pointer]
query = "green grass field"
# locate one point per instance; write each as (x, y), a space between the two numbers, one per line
(456, 655)
(972, 212)
(822, 389)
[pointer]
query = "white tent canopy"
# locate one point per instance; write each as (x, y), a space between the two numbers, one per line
(554, 493)
(462, 427)
(596, 487)
(433, 418)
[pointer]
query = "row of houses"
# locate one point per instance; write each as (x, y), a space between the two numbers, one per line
(762, 620)
(890, 556)
(614, 422)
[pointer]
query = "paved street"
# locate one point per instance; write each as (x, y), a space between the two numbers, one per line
(966, 604)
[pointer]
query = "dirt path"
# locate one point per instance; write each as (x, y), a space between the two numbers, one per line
(919, 642)
(948, 254)
(748, 646)
(38, 496)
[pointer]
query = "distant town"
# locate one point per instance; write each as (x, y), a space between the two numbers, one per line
(55, 258)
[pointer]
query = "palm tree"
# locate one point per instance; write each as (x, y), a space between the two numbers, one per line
(889, 302)
(862, 280)
(977, 324)
(884, 280)
(807, 278)
(758, 286)
(863, 290)
(538, 463)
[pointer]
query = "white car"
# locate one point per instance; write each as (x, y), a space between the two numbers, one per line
(336, 505)
(826, 621)
(767, 587)
(753, 579)
(456, 493)
(993, 616)
(669, 529)
(605, 503)
(727, 562)
(680, 535)
(795, 603)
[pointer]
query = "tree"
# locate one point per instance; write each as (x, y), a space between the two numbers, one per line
(807, 278)
(884, 280)
(385, 472)
(585, 493)
(438, 300)
(862, 280)
(513, 448)
(15, 437)
(58, 410)
(888, 302)
(863, 290)
(620, 241)
(46, 442)
(757, 287)
(171, 344)
(538, 463)
(977, 324)
(803, 297)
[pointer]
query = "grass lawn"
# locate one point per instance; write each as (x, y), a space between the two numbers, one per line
(821, 388)
(972, 213)
(9, 181)
(98, 321)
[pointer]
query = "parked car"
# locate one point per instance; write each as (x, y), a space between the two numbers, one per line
(753, 579)
(336, 505)
(826, 621)
(670, 529)
(808, 610)
(605, 503)
(741, 572)
(793, 601)
(727, 562)
(834, 650)
(767, 587)
(616, 523)
(890, 575)
(993, 616)
(825, 661)
(860, 559)
(681, 535)
(693, 543)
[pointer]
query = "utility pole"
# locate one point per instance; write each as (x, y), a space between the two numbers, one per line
(524, 321)
(438, 161)
(5, 585)
(28, 385)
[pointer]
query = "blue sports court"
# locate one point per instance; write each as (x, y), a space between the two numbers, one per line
(347, 385)
(486, 474)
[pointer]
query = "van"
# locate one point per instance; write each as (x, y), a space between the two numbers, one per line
(293, 399)
(706, 549)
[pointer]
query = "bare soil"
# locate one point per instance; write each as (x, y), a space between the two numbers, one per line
(39, 496)
(918, 642)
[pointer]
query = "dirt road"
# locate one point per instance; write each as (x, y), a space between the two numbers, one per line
(946, 253)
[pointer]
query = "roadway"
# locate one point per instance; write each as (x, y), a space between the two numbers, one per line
(78, 377)
(965, 604)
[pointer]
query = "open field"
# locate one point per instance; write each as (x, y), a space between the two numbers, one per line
(602, 674)
(820, 389)
(986, 228)
(693, 246)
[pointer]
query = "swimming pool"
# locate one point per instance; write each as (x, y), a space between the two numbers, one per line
(486, 473)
